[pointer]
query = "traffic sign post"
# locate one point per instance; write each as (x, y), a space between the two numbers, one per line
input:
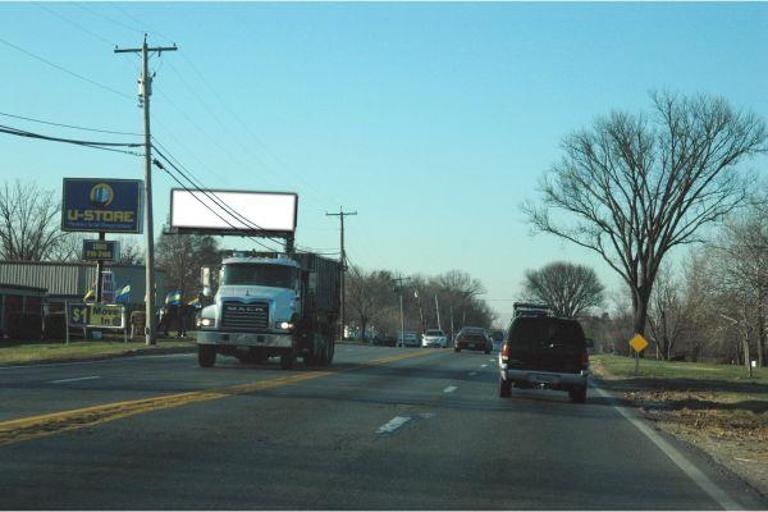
(638, 344)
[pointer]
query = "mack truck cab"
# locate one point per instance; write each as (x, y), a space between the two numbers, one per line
(272, 305)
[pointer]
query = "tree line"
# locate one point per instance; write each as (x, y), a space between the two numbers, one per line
(447, 301)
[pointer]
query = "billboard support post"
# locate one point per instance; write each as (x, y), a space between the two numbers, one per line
(99, 271)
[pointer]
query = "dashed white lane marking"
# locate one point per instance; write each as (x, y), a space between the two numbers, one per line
(393, 424)
(483, 366)
(713, 490)
(491, 360)
(75, 379)
(450, 389)
(472, 374)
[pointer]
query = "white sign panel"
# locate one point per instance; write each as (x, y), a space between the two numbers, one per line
(233, 211)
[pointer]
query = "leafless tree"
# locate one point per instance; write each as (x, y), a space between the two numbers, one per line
(568, 288)
(182, 256)
(131, 252)
(633, 187)
(369, 296)
(29, 223)
(667, 315)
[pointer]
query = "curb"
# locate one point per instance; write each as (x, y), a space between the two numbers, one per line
(131, 353)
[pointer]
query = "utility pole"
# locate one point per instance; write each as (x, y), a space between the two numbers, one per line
(343, 259)
(145, 91)
(399, 287)
(437, 311)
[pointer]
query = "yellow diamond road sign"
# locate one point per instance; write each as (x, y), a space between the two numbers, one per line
(638, 343)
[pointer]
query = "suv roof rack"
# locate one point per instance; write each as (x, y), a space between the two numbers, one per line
(531, 309)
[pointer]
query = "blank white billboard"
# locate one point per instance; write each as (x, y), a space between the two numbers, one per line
(233, 211)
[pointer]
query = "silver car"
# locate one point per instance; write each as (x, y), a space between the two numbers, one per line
(434, 338)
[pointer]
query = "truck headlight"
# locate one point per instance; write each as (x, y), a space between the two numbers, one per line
(206, 322)
(286, 326)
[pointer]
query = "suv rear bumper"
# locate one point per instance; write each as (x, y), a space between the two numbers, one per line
(548, 378)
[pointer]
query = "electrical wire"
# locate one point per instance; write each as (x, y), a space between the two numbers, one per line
(104, 146)
(65, 70)
(206, 205)
(211, 195)
(215, 199)
(62, 125)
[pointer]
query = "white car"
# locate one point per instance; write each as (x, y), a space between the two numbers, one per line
(434, 338)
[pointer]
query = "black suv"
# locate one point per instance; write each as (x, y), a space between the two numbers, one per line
(544, 351)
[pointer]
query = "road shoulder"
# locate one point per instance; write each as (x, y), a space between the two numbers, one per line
(717, 457)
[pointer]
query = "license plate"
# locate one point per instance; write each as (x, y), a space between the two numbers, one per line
(543, 379)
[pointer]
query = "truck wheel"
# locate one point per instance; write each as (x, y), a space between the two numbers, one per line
(286, 361)
(578, 394)
(206, 355)
(505, 388)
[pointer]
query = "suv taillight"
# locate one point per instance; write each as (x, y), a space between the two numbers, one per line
(505, 351)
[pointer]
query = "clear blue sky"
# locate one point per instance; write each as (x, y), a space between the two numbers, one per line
(433, 121)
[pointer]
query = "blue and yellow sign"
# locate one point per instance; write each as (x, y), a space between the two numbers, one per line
(108, 206)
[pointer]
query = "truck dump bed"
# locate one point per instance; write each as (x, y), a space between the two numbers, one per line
(324, 275)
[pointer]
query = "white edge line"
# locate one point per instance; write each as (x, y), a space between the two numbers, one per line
(393, 424)
(450, 389)
(713, 490)
(75, 379)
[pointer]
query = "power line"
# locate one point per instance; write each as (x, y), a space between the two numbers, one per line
(104, 146)
(207, 206)
(65, 70)
(62, 125)
(80, 5)
(213, 198)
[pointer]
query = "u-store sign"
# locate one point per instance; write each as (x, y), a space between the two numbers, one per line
(102, 205)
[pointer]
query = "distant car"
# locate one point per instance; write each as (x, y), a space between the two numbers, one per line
(387, 341)
(497, 335)
(434, 338)
(408, 339)
(473, 338)
(543, 351)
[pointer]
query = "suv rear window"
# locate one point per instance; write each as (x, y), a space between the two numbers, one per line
(535, 330)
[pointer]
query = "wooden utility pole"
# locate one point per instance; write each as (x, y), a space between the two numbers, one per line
(145, 91)
(343, 260)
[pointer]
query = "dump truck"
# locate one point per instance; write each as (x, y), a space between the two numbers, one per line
(271, 304)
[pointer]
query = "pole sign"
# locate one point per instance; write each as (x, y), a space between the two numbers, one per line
(106, 316)
(96, 205)
(77, 315)
(103, 316)
(94, 250)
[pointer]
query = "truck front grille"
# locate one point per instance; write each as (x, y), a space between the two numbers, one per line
(245, 316)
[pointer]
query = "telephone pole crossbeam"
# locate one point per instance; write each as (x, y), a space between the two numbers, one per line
(145, 92)
(343, 260)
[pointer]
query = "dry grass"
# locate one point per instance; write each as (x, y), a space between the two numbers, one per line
(715, 407)
(35, 352)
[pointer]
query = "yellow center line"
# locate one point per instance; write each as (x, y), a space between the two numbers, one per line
(13, 431)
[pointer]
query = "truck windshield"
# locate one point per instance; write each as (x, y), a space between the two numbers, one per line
(278, 276)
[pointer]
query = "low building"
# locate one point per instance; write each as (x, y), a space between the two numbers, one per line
(21, 309)
(71, 281)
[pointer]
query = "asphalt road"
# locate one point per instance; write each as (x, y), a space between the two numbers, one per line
(384, 428)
